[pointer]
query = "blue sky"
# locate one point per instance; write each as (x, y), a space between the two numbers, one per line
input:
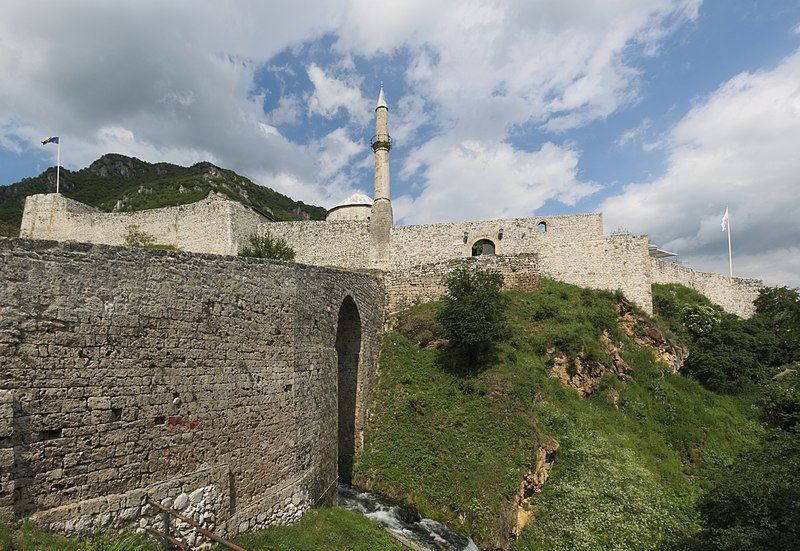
(659, 113)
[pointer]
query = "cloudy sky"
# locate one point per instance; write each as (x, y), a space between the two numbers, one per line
(659, 113)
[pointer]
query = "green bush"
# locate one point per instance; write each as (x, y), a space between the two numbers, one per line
(755, 504)
(474, 313)
(700, 319)
(267, 246)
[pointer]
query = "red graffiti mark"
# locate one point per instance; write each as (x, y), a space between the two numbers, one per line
(190, 424)
(175, 461)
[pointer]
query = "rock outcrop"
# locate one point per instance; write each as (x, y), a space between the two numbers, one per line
(645, 332)
(582, 372)
(533, 479)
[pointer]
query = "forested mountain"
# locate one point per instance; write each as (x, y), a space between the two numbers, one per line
(120, 183)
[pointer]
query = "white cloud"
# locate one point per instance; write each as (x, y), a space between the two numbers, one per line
(479, 180)
(489, 65)
(737, 148)
(332, 94)
(635, 133)
(179, 79)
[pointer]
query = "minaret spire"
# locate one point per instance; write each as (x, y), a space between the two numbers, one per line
(382, 218)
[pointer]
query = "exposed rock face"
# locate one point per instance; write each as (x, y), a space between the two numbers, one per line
(583, 373)
(532, 481)
(646, 333)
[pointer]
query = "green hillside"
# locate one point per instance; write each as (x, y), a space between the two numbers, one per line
(126, 183)
(632, 459)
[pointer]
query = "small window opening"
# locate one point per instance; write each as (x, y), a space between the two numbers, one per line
(541, 227)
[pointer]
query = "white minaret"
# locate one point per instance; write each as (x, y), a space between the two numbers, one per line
(381, 219)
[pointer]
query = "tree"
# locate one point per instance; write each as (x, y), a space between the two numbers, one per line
(473, 316)
(267, 246)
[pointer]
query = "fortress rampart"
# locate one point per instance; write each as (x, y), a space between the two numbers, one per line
(425, 282)
(734, 295)
(569, 248)
(214, 225)
(215, 381)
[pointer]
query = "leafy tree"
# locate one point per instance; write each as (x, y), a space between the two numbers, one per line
(267, 246)
(755, 505)
(473, 315)
(734, 356)
(779, 308)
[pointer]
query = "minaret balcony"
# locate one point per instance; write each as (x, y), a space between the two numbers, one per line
(381, 141)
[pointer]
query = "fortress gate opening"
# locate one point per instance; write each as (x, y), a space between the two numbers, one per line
(348, 348)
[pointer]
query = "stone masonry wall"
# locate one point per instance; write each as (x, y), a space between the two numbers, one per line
(414, 245)
(214, 225)
(337, 243)
(424, 283)
(733, 295)
(208, 382)
(609, 263)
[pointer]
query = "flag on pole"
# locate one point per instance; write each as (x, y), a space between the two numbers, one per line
(54, 139)
(725, 220)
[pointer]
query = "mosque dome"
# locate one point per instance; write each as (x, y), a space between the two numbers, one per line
(356, 207)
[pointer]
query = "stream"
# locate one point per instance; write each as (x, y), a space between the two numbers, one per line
(403, 522)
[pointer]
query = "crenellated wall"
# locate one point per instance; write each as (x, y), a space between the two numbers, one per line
(735, 295)
(210, 381)
(214, 225)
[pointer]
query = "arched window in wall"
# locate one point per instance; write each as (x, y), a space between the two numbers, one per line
(541, 227)
(484, 247)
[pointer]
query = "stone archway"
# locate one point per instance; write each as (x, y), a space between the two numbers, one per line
(484, 247)
(348, 350)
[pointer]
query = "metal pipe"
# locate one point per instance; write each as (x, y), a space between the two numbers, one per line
(196, 525)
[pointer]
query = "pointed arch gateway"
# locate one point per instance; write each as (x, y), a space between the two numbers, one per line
(348, 351)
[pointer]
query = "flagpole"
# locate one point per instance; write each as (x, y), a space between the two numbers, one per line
(730, 255)
(58, 167)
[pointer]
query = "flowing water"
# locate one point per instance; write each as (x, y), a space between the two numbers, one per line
(405, 524)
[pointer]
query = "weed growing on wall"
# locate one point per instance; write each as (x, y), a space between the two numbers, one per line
(267, 246)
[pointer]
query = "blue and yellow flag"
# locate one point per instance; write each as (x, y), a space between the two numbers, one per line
(50, 139)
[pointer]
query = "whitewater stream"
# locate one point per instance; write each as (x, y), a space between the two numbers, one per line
(403, 523)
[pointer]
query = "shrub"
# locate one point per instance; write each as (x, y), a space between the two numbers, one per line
(755, 504)
(473, 315)
(267, 246)
(138, 238)
(699, 319)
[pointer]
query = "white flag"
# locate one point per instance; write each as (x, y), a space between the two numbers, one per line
(725, 220)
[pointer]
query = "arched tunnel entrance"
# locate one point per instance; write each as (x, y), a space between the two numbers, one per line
(348, 348)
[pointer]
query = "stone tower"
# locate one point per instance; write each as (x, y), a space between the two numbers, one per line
(381, 219)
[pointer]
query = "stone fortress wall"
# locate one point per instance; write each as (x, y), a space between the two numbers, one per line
(214, 225)
(734, 295)
(207, 380)
(424, 282)
(569, 248)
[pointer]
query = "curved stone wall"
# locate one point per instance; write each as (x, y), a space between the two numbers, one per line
(210, 381)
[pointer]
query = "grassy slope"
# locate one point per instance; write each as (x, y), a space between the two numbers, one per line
(29, 538)
(453, 444)
(331, 529)
(161, 185)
